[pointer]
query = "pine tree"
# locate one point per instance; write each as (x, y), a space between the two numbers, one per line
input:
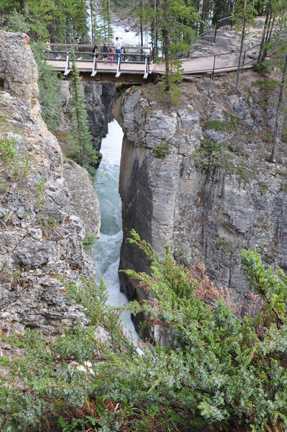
(106, 24)
(244, 14)
(84, 154)
(174, 20)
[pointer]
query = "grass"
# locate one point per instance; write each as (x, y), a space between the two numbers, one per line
(225, 125)
(16, 166)
(162, 150)
(214, 153)
(89, 242)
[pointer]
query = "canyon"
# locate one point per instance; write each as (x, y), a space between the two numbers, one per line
(195, 175)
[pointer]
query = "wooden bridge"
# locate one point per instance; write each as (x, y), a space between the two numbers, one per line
(136, 64)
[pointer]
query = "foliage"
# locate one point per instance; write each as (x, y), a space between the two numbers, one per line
(215, 368)
(172, 22)
(162, 150)
(46, 19)
(244, 13)
(214, 153)
(84, 154)
(16, 164)
(89, 242)
(264, 68)
(106, 24)
(14, 22)
(49, 87)
(225, 125)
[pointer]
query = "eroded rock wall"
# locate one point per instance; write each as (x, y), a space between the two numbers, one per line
(41, 233)
(207, 204)
(98, 99)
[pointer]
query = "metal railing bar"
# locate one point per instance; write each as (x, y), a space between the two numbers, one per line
(119, 66)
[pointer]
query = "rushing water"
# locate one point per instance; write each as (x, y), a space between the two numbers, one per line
(131, 37)
(107, 249)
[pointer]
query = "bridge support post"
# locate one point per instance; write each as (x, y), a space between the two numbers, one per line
(94, 71)
(213, 69)
(67, 69)
(146, 67)
(119, 67)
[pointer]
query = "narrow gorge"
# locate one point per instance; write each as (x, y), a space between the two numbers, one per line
(195, 176)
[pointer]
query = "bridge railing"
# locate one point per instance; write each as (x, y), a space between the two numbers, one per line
(84, 52)
(224, 62)
(130, 55)
(214, 29)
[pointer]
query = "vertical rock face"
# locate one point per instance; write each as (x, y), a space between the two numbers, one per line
(197, 176)
(98, 99)
(41, 232)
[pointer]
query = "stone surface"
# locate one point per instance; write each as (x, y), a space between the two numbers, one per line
(207, 207)
(98, 99)
(84, 198)
(41, 220)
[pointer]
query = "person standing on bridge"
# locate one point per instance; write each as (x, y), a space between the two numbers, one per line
(118, 48)
(105, 51)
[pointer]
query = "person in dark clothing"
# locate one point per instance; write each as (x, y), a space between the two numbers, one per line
(105, 51)
(95, 50)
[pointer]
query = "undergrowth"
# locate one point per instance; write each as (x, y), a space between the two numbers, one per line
(216, 371)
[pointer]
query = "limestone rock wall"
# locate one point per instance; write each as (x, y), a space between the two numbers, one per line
(41, 233)
(98, 98)
(210, 204)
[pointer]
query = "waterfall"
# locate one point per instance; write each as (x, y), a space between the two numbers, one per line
(107, 249)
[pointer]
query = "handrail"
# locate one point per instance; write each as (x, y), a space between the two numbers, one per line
(211, 67)
(210, 29)
(95, 56)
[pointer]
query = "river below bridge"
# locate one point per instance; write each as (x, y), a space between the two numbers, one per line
(107, 249)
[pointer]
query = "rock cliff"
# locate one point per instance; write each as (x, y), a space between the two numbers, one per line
(98, 98)
(197, 175)
(41, 233)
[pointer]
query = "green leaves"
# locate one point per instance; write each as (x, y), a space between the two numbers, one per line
(272, 287)
(214, 369)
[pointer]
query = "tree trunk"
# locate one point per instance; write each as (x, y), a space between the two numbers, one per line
(278, 122)
(22, 4)
(267, 32)
(166, 46)
(241, 50)
(92, 23)
(155, 30)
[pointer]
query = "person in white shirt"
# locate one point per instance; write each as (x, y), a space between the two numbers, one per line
(118, 48)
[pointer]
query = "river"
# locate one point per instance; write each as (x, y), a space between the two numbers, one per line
(107, 249)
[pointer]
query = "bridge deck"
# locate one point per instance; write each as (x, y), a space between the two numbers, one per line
(127, 70)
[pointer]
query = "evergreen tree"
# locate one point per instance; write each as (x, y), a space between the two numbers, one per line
(174, 20)
(105, 26)
(274, 14)
(58, 21)
(94, 25)
(84, 153)
(244, 14)
(49, 87)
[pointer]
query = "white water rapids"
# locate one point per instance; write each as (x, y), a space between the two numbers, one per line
(107, 249)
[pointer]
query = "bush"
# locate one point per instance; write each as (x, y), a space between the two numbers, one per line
(89, 242)
(162, 150)
(216, 371)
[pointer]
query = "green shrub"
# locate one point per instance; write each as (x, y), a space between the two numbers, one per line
(162, 150)
(89, 242)
(264, 68)
(216, 370)
(224, 125)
